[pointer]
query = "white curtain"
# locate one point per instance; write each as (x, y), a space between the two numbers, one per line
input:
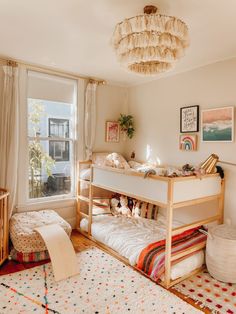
(90, 118)
(9, 133)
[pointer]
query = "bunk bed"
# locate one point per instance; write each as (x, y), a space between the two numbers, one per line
(169, 193)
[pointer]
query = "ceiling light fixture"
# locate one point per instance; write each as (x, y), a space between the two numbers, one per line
(150, 43)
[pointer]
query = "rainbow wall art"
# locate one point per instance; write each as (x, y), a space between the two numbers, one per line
(188, 142)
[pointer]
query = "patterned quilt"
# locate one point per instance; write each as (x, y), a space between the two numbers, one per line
(152, 258)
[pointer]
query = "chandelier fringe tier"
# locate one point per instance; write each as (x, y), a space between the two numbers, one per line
(150, 43)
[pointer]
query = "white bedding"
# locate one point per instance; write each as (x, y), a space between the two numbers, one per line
(129, 236)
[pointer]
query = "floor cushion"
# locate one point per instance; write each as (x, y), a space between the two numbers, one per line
(29, 257)
(23, 236)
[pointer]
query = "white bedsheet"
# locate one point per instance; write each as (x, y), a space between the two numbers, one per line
(129, 236)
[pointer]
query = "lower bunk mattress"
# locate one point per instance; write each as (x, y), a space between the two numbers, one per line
(130, 236)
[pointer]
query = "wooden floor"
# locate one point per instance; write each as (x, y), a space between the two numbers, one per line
(80, 243)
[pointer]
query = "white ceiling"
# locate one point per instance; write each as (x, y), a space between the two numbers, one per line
(74, 35)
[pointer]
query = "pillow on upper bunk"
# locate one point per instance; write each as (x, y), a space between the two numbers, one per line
(99, 158)
(117, 161)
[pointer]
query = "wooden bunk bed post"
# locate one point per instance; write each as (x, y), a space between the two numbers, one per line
(80, 215)
(221, 201)
(169, 220)
(90, 203)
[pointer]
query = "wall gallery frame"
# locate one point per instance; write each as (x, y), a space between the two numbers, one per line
(188, 142)
(218, 124)
(189, 119)
(112, 131)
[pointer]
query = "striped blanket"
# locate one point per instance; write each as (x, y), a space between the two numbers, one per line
(152, 259)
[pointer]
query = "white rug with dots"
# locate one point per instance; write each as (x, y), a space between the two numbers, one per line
(104, 285)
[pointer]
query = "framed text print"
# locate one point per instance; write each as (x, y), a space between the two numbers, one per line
(189, 119)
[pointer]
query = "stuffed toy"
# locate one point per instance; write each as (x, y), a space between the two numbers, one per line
(124, 209)
(115, 208)
(136, 210)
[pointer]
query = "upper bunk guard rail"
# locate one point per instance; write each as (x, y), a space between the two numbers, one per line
(4, 234)
(155, 189)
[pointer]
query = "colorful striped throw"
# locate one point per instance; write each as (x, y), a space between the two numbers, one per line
(152, 258)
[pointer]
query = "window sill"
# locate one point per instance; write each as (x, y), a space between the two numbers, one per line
(46, 204)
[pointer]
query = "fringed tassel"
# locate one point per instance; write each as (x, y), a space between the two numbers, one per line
(147, 39)
(150, 68)
(160, 54)
(155, 23)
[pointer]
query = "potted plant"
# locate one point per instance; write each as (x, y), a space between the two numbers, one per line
(127, 124)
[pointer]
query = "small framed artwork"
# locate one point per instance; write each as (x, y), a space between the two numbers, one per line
(218, 125)
(189, 119)
(188, 142)
(112, 131)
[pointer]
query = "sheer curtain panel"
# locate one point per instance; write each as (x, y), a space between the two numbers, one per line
(90, 118)
(9, 131)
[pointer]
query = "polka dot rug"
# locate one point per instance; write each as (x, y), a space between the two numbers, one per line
(208, 292)
(104, 285)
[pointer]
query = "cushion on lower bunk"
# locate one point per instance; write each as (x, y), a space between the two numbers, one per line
(23, 236)
(137, 208)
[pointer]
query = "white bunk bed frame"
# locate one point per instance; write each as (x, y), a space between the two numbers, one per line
(166, 192)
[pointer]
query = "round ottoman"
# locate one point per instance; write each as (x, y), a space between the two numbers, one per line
(221, 253)
(23, 236)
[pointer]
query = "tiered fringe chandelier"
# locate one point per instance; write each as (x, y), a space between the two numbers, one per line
(150, 43)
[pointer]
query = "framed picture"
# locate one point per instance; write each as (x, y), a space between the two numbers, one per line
(189, 119)
(218, 125)
(112, 131)
(188, 142)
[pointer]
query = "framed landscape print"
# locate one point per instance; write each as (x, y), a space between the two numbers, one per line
(189, 119)
(218, 125)
(188, 142)
(112, 131)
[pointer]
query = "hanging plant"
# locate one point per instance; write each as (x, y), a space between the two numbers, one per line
(127, 124)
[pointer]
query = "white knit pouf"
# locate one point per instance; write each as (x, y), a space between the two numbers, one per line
(23, 236)
(221, 253)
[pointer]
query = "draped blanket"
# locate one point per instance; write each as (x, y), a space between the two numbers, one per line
(152, 258)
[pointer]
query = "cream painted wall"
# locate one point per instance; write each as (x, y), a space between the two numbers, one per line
(156, 110)
(111, 101)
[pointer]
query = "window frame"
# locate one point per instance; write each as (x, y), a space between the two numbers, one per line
(71, 140)
(23, 203)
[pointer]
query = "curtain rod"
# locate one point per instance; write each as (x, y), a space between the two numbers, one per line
(49, 70)
(227, 163)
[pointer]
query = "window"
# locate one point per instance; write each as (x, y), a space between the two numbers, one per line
(51, 135)
(59, 127)
(59, 150)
